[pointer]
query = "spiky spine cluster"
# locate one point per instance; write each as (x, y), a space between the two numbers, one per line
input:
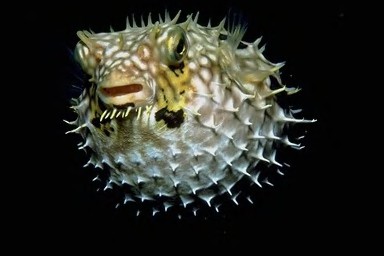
(232, 123)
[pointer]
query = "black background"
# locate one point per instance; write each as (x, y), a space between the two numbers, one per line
(312, 197)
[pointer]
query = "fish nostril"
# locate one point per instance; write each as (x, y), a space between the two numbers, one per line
(122, 90)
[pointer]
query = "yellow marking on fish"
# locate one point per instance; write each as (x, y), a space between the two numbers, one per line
(174, 87)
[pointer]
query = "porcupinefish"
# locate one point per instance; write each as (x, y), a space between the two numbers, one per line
(177, 112)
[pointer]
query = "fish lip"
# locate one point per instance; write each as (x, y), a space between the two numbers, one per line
(124, 89)
(140, 92)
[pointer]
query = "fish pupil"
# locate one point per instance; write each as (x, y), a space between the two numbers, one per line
(180, 46)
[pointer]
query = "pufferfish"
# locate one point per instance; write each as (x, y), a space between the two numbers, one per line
(178, 113)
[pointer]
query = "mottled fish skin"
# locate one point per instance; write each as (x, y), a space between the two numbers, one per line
(178, 111)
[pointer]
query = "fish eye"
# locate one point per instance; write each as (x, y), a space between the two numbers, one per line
(176, 46)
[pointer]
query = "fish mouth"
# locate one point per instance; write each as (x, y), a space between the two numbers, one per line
(136, 93)
(121, 90)
(120, 97)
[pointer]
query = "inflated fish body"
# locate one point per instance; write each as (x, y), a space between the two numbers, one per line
(179, 112)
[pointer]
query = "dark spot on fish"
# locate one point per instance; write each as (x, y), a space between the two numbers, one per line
(182, 92)
(171, 118)
(124, 106)
(179, 67)
(96, 122)
(106, 132)
(101, 104)
(223, 37)
(156, 178)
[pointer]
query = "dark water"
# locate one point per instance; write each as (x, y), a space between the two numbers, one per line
(302, 204)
